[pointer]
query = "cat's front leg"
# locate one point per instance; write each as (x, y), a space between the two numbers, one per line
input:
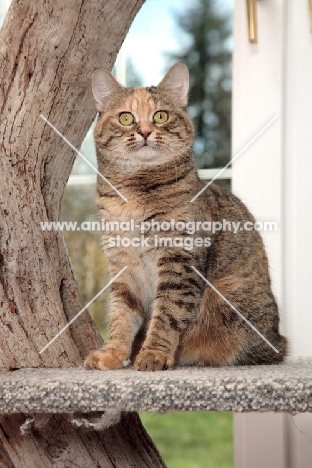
(178, 294)
(169, 320)
(124, 321)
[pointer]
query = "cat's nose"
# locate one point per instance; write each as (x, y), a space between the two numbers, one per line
(144, 133)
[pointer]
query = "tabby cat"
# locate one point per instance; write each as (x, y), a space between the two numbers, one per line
(162, 312)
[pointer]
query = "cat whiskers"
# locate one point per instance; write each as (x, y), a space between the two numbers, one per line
(124, 161)
(176, 171)
(180, 147)
(173, 148)
(160, 145)
(129, 162)
(116, 151)
(168, 160)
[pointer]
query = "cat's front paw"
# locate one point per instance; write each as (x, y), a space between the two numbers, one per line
(105, 360)
(153, 360)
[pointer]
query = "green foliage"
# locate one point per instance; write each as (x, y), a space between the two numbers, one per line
(192, 440)
(208, 27)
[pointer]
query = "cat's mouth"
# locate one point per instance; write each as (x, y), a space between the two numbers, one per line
(147, 152)
(147, 145)
(146, 149)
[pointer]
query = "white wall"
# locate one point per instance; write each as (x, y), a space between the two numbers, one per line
(297, 208)
(297, 175)
(273, 178)
(257, 97)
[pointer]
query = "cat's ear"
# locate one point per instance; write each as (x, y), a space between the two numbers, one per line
(103, 85)
(176, 81)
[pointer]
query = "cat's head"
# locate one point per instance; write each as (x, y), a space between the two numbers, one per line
(140, 127)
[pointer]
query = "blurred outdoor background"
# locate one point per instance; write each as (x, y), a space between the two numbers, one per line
(198, 33)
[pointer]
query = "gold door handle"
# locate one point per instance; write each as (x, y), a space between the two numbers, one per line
(252, 20)
(310, 13)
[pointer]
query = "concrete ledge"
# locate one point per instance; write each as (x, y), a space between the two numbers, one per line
(286, 387)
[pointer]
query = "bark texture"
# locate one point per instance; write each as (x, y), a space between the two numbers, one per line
(59, 444)
(48, 50)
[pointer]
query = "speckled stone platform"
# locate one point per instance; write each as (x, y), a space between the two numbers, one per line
(285, 387)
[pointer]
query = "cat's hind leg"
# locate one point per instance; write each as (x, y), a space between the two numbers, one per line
(220, 336)
(215, 337)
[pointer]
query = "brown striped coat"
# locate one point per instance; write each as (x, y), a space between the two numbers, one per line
(161, 312)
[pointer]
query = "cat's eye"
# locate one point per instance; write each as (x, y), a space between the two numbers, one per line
(126, 118)
(160, 117)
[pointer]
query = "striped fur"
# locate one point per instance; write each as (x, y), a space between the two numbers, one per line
(161, 312)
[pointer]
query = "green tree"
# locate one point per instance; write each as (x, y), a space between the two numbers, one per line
(208, 25)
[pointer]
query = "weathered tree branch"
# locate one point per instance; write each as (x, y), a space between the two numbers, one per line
(126, 444)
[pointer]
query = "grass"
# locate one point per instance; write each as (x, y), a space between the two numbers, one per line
(192, 440)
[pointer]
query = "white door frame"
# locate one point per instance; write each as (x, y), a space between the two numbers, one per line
(273, 77)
